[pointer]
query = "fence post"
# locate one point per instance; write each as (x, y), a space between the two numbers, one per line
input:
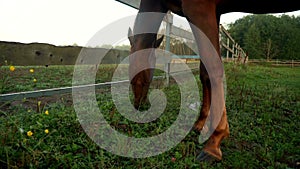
(227, 51)
(236, 52)
(169, 22)
(220, 39)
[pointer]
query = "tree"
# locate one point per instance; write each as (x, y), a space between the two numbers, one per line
(178, 47)
(270, 50)
(253, 43)
(123, 47)
(106, 46)
(268, 36)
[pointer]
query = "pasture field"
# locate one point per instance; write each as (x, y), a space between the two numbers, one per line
(263, 104)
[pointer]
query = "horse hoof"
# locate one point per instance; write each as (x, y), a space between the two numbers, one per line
(206, 157)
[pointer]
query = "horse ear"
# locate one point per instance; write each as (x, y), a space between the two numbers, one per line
(130, 36)
(158, 42)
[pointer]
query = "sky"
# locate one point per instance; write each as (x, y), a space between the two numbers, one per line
(66, 22)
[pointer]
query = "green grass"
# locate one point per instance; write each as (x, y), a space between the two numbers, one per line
(263, 112)
(21, 79)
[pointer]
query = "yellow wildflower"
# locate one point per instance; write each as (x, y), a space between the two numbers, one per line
(12, 68)
(34, 80)
(46, 131)
(31, 70)
(47, 112)
(29, 133)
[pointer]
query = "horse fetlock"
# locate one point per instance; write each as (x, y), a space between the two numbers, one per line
(213, 146)
(198, 126)
(215, 152)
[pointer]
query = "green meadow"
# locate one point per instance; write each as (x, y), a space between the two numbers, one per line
(263, 104)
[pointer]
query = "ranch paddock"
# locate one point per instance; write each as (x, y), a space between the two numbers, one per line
(262, 103)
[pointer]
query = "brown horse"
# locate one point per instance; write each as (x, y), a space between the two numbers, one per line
(205, 15)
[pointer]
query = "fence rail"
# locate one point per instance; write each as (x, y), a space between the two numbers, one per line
(51, 92)
(292, 63)
(231, 47)
(64, 90)
(57, 91)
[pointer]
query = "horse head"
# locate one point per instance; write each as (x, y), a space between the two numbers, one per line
(142, 64)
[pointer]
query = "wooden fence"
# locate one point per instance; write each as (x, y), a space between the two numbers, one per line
(291, 63)
(233, 50)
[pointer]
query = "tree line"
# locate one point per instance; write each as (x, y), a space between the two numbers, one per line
(268, 37)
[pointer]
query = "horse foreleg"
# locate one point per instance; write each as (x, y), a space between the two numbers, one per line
(202, 15)
(145, 30)
(206, 92)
